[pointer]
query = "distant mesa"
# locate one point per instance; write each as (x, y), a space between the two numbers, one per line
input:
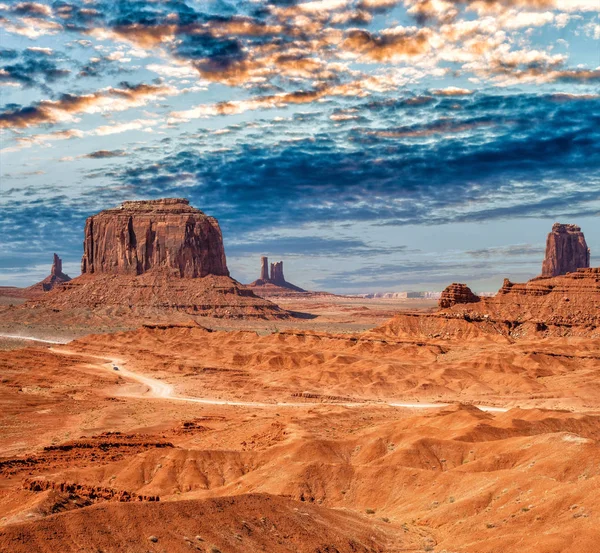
(566, 251)
(155, 259)
(275, 278)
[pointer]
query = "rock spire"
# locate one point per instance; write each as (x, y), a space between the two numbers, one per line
(566, 251)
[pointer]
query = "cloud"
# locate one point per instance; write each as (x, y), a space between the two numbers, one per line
(389, 45)
(103, 154)
(107, 100)
(31, 9)
(452, 91)
(518, 250)
(513, 157)
(37, 67)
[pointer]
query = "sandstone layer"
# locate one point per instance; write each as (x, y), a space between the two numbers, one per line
(566, 251)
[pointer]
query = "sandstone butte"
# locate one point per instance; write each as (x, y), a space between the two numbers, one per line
(167, 235)
(154, 257)
(274, 284)
(55, 277)
(566, 251)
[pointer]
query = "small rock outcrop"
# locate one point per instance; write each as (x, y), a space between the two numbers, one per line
(455, 294)
(566, 251)
(165, 235)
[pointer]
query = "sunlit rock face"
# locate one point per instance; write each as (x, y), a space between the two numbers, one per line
(566, 251)
(166, 235)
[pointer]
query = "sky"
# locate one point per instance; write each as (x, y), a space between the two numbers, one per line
(373, 145)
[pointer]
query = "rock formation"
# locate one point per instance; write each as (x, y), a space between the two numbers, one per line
(277, 277)
(55, 278)
(562, 306)
(158, 235)
(275, 283)
(457, 294)
(566, 251)
(264, 268)
(156, 259)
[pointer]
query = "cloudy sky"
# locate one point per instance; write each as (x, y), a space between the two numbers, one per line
(372, 144)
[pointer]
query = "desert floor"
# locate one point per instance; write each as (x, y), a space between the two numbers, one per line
(318, 434)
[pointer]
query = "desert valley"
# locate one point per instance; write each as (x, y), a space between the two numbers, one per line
(155, 404)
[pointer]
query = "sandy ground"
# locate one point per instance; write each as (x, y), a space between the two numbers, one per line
(298, 441)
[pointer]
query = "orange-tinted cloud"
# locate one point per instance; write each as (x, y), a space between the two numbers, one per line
(401, 42)
(67, 106)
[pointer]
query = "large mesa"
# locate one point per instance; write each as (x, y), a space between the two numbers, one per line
(157, 235)
(566, 251)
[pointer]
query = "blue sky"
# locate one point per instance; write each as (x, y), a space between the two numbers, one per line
(371, 144)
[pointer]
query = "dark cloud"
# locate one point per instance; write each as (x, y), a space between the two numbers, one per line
(8, 54)
(102, 154)
(36, 67)
(30, 9)
(388, 177)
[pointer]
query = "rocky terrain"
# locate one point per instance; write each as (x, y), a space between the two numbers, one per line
(300, 441)
(470, 428)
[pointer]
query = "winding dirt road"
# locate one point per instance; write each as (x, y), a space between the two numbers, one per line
(158, 389)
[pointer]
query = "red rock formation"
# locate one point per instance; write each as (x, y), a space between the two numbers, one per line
(277, 277)
(158, 235)
(55, 278)
(275, 284)
(455, 294)
(566, 251)
(264, 268)
(158, 260)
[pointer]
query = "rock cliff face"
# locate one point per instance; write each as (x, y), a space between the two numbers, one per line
(566, 251)
(457, 293)
(165, 235)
